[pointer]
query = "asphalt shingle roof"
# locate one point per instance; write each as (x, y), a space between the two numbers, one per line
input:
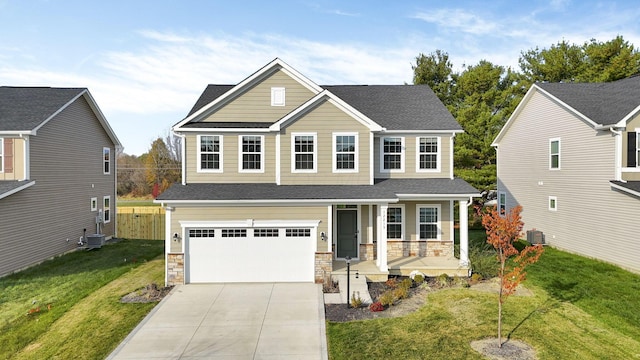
(10, 185)
(603, 103)
(24, 108)
(382, 189)
(631, 185)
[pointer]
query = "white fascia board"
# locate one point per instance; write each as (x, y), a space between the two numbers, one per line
(250, 223)
(623, 123)
(446, 197)
(18, 133)
(249, 81)
(222, 130)
(622, 188)
(18, 189)
(426, 132)
(280, 202)
(103, 120)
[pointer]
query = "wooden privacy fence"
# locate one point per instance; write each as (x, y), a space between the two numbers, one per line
(140, 222)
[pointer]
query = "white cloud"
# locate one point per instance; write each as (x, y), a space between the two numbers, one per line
(459, 20)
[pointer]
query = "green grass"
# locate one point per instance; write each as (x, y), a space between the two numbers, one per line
(86, 319)
(581, 309)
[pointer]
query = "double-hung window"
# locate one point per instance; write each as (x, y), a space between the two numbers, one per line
(394, 222)
(345, 152)
(392, 154)
(251, 153)
(106, 209)
(428, 150)
(554, 154)
(502, 203)
(304, 154)
(106, 160)
(428, 222)
(210, 153)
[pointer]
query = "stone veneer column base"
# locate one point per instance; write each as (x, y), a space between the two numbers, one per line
(175, 269)
(323, 266)
(398, 248)
(367, 252)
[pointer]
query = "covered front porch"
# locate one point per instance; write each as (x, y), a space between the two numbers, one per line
(402, 266)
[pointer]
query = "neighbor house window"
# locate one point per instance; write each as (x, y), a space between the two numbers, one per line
(277, 96)
(554, 154)
(394, 222)
(106, 209)
(94, 204)
(428, 222)
(304, 152)
(345, 152)
(428, 150)
(252, 153)
(553, 203)
(392, 154)
(502, 203)
(210, 153)
(106, 159)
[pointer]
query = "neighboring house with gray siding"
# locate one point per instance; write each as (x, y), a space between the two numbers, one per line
(283, 178)
(570, 155)
(57, 173)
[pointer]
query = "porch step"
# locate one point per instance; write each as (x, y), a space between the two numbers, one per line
(356, 285)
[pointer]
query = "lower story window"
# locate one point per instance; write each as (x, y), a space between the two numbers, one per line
(428, 221)
(106, 209)
(394, 223)
(553, 203)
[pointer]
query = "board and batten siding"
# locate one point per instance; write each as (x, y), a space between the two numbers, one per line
(591, 219)
(410, 157)
(254, 104)
(242, 213)
(66, 164)
(325, 120)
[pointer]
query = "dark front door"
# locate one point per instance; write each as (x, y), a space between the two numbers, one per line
(347, 233)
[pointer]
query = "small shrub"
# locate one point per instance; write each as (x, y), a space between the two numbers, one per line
(401, 292)
(391, 283)
(475, 278)
(483, 260)
(406, 283)
(418, 279)
(356, 301)
(461, 281)
(376, 306)
(443, 280)
(387, 298)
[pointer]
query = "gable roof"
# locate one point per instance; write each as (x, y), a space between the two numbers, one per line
(24, 110)
(10, 187)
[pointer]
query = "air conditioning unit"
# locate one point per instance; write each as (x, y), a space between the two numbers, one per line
(535, 237)
(95, 241)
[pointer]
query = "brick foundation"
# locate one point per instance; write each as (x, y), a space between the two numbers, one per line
(419, 248)
(175, 269)
(323, 266)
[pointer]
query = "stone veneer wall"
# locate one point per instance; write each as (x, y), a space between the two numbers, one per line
(175, 269)
(367, 252)
(419, 248)
(323, 266)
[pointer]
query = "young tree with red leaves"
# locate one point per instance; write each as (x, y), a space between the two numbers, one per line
(502, 231)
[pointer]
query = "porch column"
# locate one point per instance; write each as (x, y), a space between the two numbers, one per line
(381, 235)
(464, 232)
(167, 241)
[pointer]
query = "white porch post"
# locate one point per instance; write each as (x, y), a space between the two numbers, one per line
(464, 232)
(167, 240)
(381, 221)
(330, 229)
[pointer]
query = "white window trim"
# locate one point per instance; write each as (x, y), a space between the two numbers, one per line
(402, 155)
(240, 153)
(555, 201)
(105, 208)
(94, 204)
(355, 156)
(105, 161)
(438, 154)
(220, 153)
(559, 153)
(637, 130)
(293, 152)
(274, 96)
(438, 223)
(502, 204)
(402, 223)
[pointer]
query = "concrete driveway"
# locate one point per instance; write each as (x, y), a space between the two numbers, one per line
(232, 321)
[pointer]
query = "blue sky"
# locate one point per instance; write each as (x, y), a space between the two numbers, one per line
(147, 61)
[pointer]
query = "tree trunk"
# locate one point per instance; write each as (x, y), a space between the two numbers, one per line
(500, 321)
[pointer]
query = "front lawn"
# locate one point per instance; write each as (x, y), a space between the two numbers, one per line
(69, 307)
(581, 309)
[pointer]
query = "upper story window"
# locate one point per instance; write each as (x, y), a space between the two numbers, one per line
(251, 153)
(633, 148)
(554, 154)
(392, 154)
(428, 154)
(345, 152)
(304, 154)
(394, 222)
(1, 155)
(210, 153)
(106, 159)
(277, 96)
(428, 222)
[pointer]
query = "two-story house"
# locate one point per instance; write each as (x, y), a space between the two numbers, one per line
(57, 173)
(569, 155)
(282, 177)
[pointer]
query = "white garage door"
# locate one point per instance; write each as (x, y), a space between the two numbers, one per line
(273, 254)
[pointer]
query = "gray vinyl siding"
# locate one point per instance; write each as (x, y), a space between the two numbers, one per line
(591, 219)
(254, 105)
(66, 164)
(325, 120)
(410, 157)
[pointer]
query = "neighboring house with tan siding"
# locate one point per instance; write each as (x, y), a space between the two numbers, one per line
(283, 179)
(57, 173)
(570, 155)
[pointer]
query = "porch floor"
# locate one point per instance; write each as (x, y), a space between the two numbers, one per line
(430, 266)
